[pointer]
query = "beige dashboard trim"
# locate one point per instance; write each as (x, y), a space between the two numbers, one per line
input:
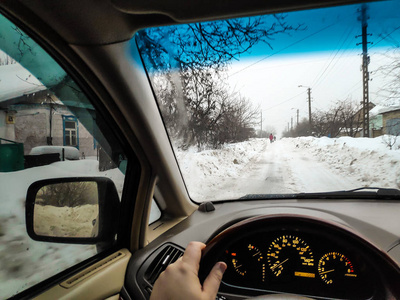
(101, 280)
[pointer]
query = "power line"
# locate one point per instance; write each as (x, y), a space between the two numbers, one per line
(384, 37)
(287, 100)
(314, 83)
(290, 45)
(320, 79)
(350, 90)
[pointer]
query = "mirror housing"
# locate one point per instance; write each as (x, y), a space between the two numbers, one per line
(84, 210)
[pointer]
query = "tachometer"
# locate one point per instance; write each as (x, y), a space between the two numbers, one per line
(334, 266)
(289, 256)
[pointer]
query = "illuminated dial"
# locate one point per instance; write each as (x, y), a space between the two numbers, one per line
(334, 266)
(247, 260)
(289, 256)
(238, 267)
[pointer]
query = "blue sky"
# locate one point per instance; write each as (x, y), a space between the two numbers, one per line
(327, 28)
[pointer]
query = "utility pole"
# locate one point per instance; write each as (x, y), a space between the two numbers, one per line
(365, 62)
(309, 106)
(261, 125)
(291, 123)
(297, 117)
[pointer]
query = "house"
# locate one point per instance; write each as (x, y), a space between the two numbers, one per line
(391, 120)
(385, 120)
(353, 123)
(32, 115)
(376, 121)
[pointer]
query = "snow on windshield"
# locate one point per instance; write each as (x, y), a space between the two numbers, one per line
(232, 93)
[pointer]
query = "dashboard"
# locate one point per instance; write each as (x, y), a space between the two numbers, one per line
(314, 249)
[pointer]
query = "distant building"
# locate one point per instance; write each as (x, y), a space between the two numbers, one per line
(33, 116)
(385, 120)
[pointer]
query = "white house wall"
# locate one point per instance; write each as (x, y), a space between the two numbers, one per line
(32, 127)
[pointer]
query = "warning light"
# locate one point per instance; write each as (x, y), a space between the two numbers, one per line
(233, 254)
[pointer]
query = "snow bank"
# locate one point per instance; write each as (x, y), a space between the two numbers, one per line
(205, 169)
(228, 161)
(250, 167)
(369, 160)
(66, 221)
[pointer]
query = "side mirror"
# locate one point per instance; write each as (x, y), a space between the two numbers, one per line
(78, 210)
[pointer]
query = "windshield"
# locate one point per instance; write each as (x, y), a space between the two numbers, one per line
(304, 101)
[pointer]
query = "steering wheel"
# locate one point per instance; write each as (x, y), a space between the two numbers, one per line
(385, 272)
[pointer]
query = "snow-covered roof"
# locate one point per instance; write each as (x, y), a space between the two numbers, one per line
(16, 81)
(380, 109)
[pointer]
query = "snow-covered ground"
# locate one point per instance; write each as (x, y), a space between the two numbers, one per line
(290, 165)
(24, 262)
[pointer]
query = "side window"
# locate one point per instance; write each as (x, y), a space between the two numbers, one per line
(155, 212)
(48, 129)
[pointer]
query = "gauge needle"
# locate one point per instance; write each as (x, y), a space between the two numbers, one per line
(237, 267)
(327, 271)
(274, 267)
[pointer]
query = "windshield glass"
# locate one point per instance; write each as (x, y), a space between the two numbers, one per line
(304, 101)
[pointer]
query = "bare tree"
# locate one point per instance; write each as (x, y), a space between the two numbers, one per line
(351, 116)
(69, 194)
(391, 72)
(344, 117)
(301, 129)
(326, 123)
(191, 58)
(389, 140)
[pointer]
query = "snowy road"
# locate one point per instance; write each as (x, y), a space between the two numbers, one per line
(282, 168)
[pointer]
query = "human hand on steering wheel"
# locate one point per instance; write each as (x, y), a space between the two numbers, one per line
(180, 280)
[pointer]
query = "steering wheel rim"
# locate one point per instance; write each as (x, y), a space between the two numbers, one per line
(388, 271)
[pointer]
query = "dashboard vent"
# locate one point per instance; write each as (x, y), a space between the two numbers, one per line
(167, 256)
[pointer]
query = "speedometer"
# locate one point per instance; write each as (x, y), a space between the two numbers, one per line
(289, 256)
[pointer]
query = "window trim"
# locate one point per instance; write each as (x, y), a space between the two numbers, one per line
(74, 119)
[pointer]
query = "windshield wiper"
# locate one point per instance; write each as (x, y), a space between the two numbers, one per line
(358, 193)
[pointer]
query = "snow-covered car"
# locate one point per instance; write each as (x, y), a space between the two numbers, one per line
(65, 152)
(172, 104)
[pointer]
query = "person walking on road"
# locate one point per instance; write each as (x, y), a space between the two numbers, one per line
(271, 138)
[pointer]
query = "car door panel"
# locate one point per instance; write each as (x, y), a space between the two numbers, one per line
(102, 280)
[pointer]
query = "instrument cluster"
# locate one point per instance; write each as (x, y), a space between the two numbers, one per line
(295, 262)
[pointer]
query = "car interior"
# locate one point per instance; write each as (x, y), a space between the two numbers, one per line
(330, 246)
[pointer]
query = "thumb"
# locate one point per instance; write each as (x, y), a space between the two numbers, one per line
(213, 280)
